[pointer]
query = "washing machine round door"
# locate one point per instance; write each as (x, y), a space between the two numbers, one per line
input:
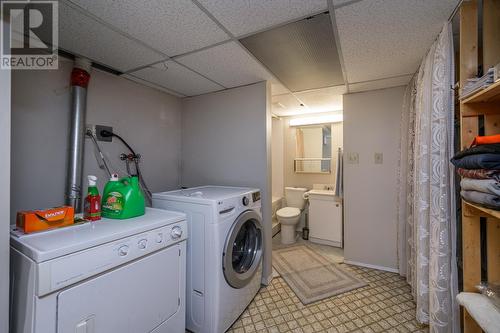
(243, 250)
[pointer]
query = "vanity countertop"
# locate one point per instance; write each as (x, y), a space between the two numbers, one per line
(322, 192)
(328, 193)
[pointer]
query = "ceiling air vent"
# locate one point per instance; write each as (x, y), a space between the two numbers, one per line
(302, 55)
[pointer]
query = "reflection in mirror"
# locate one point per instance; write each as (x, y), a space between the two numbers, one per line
(313, 149)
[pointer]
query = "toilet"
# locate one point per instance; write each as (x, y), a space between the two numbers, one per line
(289, 216)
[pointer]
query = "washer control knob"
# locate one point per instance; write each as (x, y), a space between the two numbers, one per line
(123, 250)
(245, 201)
(159, 237)
(142, 244)
(176, 232)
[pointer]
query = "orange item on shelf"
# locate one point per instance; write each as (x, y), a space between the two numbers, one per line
(38, 220)
(486, 140)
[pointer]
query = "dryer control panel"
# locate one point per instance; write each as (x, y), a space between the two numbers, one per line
(64, 271)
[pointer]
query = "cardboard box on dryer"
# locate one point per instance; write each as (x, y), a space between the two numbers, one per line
(44, 219)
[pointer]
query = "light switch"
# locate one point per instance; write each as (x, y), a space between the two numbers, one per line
(352, 158)
(379, 158)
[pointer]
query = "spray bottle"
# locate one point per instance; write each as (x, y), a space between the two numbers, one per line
(92, 211)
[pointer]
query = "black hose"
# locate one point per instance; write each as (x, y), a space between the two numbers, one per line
(105, 133)
(146, 190)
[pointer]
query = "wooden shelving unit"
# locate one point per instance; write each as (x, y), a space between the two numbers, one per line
(482, 107)
(476, 210)
(488, 95)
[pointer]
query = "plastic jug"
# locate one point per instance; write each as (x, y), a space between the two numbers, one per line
(122, 198)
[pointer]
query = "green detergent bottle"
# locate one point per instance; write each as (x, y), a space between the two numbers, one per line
(122, 198)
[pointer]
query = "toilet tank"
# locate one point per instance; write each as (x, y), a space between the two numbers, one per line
(295, 197)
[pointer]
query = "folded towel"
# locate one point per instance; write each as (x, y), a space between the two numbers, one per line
(490, 186)
(493, 148)
(479, 173)
(483, 199)
(486, 140)
(481, 161)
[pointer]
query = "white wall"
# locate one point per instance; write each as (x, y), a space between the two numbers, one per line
(226, 140)
(308, 179)
(147, 118)
(5, 119)
(371, 124)
(278, 157)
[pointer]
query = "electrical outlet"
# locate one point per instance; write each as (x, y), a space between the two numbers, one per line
(379, 158)
(353, 158)
(100, 128)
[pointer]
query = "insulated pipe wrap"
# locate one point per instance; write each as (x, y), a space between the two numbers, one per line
(79, 82)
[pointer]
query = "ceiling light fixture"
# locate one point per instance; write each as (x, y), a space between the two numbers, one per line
(331, 118)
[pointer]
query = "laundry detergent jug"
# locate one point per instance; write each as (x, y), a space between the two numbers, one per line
(122, 198)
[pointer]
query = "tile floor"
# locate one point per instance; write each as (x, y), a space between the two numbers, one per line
(385, 305)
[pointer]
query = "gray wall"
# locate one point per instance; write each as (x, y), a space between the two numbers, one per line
(226, 140)
(5, 77)
(371, 125)
(147, 118)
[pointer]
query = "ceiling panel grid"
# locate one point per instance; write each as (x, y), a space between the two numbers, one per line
(382, 42)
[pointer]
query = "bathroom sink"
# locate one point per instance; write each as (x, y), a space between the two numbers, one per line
(322, 192)
(328, 193)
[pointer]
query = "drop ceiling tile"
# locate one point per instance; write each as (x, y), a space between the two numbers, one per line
(380, 84)
(228, 64)
(277, 88)
(152, 85)
(84, 36)
(177, 78)
(323, 100)
(170, 26)
(242, 17)
(381, 38)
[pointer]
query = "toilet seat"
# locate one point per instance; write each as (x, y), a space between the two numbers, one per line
(288, 212)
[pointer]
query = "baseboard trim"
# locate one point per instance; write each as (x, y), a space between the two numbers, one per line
(381, 268)
(325, 242)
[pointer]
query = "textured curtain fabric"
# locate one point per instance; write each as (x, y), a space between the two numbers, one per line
(426, 207)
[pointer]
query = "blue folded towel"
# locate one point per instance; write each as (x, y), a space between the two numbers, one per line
(480, 161)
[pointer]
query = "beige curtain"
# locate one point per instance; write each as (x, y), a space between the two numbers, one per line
(426, 207)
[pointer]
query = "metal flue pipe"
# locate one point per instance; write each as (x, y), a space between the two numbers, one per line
(80, 77)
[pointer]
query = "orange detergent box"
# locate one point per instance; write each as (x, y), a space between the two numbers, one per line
(39, 220)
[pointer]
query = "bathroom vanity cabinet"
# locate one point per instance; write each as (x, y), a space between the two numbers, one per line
(325, 218)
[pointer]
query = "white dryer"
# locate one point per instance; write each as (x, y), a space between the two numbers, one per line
(107, 276)
(224, 256)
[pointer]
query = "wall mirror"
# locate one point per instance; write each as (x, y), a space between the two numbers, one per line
(313, 149)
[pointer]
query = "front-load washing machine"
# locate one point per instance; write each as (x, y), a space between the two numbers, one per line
(224, 255)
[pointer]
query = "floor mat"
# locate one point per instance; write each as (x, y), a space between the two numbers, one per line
(311, 276)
